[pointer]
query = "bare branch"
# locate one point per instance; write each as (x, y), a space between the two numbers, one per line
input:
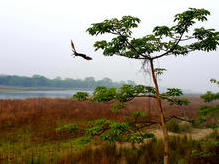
(179, 118)
(185, 39)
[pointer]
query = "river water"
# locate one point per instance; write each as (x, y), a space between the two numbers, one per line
(35, 94)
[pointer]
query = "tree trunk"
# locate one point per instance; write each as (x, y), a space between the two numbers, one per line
(162, 118)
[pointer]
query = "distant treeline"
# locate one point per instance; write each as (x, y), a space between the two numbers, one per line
(41, 81)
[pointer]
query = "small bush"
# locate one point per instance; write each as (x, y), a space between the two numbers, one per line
(176, 127)
(103, 94)
(81, 96)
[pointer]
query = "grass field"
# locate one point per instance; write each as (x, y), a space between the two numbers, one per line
(44, 130)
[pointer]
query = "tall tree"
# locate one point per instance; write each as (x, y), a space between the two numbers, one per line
(179, 39)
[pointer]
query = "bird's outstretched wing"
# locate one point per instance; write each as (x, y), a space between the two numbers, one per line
(83, 56)
(79, 54)
(73, 47)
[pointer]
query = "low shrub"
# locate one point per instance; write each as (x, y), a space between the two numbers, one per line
(182, 151)
(176, 126)
(81, 96)
(103, 94)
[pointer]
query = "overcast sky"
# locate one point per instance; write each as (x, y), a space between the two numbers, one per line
(35, 39)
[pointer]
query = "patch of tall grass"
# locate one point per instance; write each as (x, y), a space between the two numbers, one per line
(183, 150)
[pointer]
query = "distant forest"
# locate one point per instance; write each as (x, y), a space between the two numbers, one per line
(41, 81)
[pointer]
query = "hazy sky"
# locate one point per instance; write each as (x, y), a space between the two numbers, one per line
(35, 39)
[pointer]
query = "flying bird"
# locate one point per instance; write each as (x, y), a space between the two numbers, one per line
(79, 54)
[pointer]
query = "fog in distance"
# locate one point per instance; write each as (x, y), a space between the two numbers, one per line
(35, 39)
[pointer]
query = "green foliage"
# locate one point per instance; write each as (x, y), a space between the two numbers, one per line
(138, 113)
(187, 19)
(183, 150)
(163, 41)
(124, 25)
(214, 81)
(113, 131)
(82, 141)
(163, 38)
(103, 94)
(177, 127)
(173, 92)
(127, 92)
(130, 129)
(209, 96)
(139, 137)
(179, 101)
(207, 110)
(116, 132)
(159, 71)
(172, 95)
(209, 115)
(81, 96)
(69, 127)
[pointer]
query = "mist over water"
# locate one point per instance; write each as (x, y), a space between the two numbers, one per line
(35, 39)
(39, 94)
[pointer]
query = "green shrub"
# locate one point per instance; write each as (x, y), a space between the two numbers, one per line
(177, 127)
(103, 94)
(81, 96)
(173, 126)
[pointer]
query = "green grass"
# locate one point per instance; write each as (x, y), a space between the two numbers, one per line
(182, 151)
(21, 147)
(52, 131)
(17, 147)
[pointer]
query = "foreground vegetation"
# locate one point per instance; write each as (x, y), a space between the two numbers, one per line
(46, 130)
(56, 133)
(178, 39)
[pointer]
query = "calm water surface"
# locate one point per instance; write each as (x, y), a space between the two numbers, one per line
(34, 94)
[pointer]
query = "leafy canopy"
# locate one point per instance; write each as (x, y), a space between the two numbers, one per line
(131, 128)
(209, 96)
(81, 96)
(128, 92)
(179, 39)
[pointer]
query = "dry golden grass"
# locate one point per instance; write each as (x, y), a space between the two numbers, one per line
(38, 110)
(28, 126)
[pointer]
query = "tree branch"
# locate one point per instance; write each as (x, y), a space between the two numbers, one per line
(152, 96)
(171, 50)
(133, 48)
(183, 39)
(130, 56)
(179, 118)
